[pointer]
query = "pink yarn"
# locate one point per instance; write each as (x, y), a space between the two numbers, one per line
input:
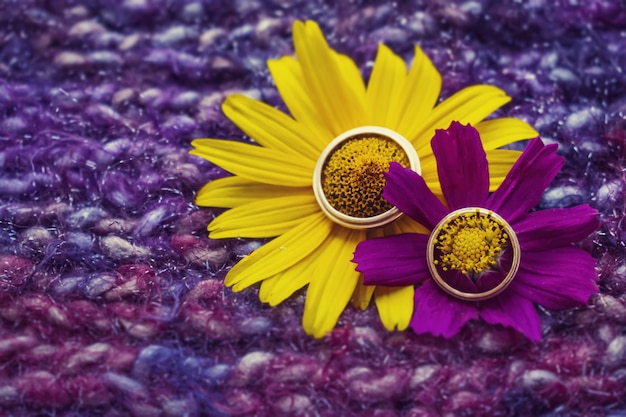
(112, 300)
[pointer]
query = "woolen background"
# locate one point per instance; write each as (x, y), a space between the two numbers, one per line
(111, 296)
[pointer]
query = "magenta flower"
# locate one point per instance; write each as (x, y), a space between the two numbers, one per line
(486, 255)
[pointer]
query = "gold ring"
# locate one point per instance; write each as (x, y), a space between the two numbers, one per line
(354, 134)
(514, 243)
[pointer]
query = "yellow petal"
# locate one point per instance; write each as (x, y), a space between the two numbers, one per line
(430, 174)
(470, 105)
(334, 98)
(499, 132)
(395, 306)
(264, 218)
(351, 75)
(362, 294)
(419, 94)
(270, 127)
(405, 224)
(500, 163)
(280, 253)
(284, 284)
(287, 75)
(255, 162)
(382, 100)
(332, 283)
(428, 162)
(266, 287)
(235, 191)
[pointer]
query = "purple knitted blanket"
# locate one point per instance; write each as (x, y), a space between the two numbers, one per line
(112, 299)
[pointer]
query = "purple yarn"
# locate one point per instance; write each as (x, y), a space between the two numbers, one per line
(111, 296)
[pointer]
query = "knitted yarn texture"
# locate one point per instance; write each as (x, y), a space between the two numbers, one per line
(112, 299)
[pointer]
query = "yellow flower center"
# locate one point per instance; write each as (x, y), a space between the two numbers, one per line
(349, 176)
(472, 241)
(353, 177)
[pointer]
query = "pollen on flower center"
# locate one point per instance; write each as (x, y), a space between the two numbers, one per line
(471, 242)
(348, 179)
(353, 178)
(466, 254)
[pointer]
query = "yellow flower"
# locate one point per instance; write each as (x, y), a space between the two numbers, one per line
(272, 193)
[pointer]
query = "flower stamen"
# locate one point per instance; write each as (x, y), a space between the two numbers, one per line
(349, 177)
(472, 241)
(353, 177)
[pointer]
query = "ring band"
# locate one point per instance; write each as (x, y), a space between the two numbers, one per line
(466, 296)
(363, 131)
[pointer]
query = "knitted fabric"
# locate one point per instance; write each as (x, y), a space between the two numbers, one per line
(112, 300)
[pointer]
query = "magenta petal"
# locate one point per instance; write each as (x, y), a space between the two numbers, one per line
(393, 260)
(556, 278)
(462, 166)
(556, 227)
(522, 188)
(511, 310)
(407, 190)
(439, 314)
